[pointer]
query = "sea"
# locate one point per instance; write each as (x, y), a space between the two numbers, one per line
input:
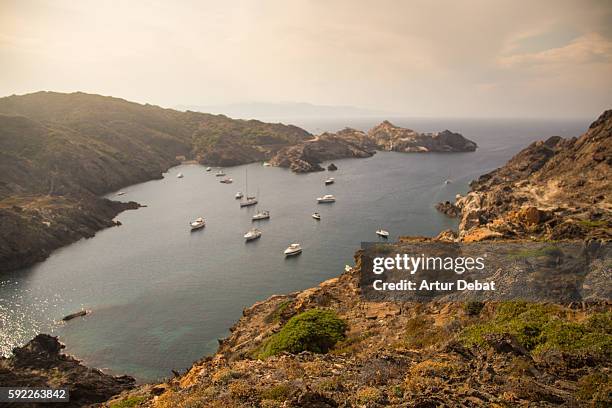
(161, 296)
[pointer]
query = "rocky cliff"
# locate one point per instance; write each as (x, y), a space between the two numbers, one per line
(40, 363)
(348, 143)
(553, 189)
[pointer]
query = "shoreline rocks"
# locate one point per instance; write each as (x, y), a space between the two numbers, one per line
(40, 363)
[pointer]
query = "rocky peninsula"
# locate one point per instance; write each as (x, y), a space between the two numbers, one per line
(307, 155)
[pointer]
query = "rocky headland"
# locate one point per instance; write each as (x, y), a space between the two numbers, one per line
(553, 189)
(307, 155)
(40, 363)
(328, 347)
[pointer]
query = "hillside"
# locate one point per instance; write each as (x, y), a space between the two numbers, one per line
(553, 189)
(59, 152)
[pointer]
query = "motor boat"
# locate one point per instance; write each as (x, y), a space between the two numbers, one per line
(197, 223)
(250, 197)
(220, 173)
(238, 195)
(121, 193)
(266, 164)
(448, 181)
(208, 168)
(252, 234)
(382, 233)
(316, 216)
(293, 249)
(329, 181)
(248, 203)
(226, 180)
(180, 175)
(261, 215)
(327, 198)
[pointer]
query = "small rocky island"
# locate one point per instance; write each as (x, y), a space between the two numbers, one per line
(306, 156)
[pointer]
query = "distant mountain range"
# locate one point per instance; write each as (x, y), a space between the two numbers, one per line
(284, 110)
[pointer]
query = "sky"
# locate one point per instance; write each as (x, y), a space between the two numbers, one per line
(471, 58)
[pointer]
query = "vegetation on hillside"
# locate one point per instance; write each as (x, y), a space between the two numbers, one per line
(316, 330)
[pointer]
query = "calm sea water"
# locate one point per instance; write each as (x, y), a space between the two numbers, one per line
(161, 295)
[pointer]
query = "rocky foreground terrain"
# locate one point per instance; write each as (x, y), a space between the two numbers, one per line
(307, 155)
(328, 347)
(40, 363)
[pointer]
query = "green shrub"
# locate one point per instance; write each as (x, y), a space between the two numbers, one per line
(316, 330)
(539, 327)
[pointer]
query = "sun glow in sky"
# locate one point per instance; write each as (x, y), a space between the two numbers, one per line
(414, 58)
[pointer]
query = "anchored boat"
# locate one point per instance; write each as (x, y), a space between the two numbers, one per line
(293, 249)
(382, 233)
(197, 223)
(327, 198)
(261, 215)
(252, 234)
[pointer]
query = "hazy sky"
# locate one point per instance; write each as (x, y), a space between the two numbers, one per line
(416, 58)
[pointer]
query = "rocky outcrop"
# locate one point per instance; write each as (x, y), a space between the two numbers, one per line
(40, 363)
(387, 136)
(307, 156)
(448, 209)
(554, 189)
(348, 143)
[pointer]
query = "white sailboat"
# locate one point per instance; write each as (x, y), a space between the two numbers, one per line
(250, 200)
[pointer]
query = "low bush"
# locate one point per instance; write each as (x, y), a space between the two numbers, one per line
(316, 330)
(539, 327)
